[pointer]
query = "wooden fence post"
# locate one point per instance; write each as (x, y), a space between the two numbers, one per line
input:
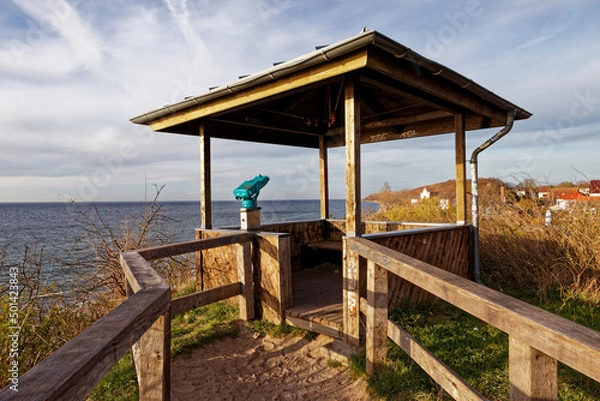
(533, 374)
(351, 295)
(377, 316)
(245, 276)
(152, 360)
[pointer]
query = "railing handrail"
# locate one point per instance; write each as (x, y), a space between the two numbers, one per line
(72, 371)
(165, 251)
(412, 231)
(564, 340)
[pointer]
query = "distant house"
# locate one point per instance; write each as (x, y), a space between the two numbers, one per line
(425, 194)
(595, 188)
(543, 193)
(563, 198)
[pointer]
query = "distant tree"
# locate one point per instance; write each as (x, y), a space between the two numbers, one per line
(566, 184)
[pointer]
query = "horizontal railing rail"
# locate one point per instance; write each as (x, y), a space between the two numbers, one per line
(537, 338)
(141, 323)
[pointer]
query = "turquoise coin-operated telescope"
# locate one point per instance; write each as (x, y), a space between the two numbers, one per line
(248, 191)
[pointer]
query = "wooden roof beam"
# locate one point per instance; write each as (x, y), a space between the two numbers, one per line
(416, 129)
(393, 122)
(425, 81)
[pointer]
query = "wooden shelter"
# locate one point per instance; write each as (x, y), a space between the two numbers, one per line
(362, 90)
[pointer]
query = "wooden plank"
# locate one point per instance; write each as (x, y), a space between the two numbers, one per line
(152, 360)
(314, 327)
(377, 316)
(337, 67)
(433, 85)
(324, 178)
(461, 171)
(452, 383)
(352, 127)
(564, 340)
(205, 179)
(193, 246)
(206, 297)
(139, 274)
(533, 374)
(199, 265)
(372, 126)
(72, 371)
(351, 296)
(246, 277)
(327, 245)
(285, 273)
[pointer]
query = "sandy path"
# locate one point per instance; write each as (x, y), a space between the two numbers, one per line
(266, 368)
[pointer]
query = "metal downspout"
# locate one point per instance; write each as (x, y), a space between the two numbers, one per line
(510, 119)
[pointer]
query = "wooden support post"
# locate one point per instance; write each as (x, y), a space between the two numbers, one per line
(352, 128)
(285, 273)
(246, 277)
(152, 360)
(205, 184)
(533, 374)
(199, 266)
(461, 171)
(324, 178)
(377, 316)
(351, 296)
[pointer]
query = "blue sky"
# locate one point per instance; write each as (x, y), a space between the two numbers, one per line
(72, 73)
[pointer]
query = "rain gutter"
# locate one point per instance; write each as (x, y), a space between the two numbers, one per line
(510, 119)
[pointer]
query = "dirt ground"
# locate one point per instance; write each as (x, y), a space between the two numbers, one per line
(265, 368)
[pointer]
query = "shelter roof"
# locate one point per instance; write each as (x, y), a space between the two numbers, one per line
(402, 95)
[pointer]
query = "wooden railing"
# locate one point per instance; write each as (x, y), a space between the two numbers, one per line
(537, 339)
(141, 323)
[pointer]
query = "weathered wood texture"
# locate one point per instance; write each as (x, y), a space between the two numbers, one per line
(533, 374)
(205, 179)
(451, 382)
(351, 295)
(441, 91)
(151, 358)
(301, 234)
(73, 370)
(461, 170)
(324, 178)
(317, 294)
(352, 134)
(336, 228)
(377, 316)
(558, 338)
(447, 248)
(245, 273)
(206, 297)
(273, 275)
(219, 265)
(225, 238)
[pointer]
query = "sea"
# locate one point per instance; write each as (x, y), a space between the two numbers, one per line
(53, 233)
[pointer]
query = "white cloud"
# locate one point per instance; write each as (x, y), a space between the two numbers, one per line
(67, 100)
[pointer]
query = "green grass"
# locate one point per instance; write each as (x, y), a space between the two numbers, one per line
(118, 384)
(189, 331)
(201, 326)
(475, 350)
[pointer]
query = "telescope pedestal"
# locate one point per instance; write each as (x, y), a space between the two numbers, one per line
(250, 219)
